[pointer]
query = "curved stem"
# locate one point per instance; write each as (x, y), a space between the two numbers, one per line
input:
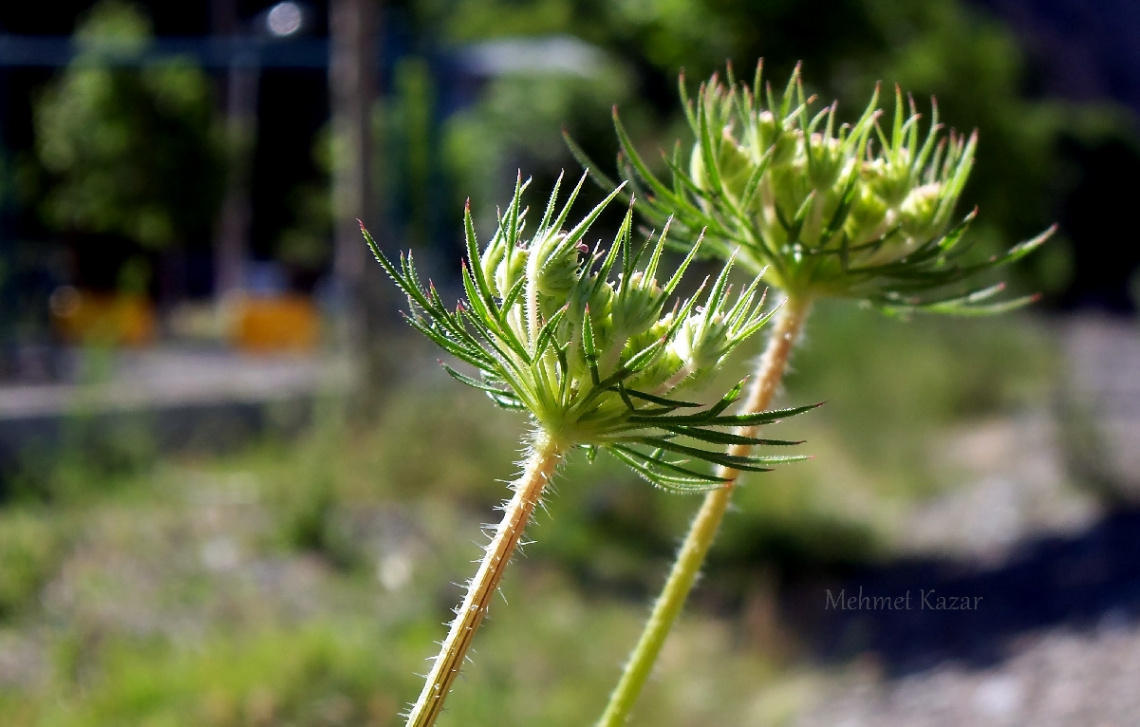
(769, 372)
(538, 470)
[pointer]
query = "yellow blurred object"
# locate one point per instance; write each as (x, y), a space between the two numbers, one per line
(278, 323)
(86, 317)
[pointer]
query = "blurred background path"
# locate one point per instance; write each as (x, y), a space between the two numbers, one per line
(1055, 637)
(185, 400)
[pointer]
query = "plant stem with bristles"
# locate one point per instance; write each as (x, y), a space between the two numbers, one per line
(537, 471)
(769, 372)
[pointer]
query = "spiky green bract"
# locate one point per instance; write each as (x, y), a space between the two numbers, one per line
(581, 340)
(862, 210)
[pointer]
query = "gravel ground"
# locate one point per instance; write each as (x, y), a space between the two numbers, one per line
(1059, 677)
(1055, 639)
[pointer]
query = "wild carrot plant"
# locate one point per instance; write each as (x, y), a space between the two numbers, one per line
(817, 209)
(582, 340)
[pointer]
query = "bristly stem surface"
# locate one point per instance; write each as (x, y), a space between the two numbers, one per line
(537, 471)
(769, 372)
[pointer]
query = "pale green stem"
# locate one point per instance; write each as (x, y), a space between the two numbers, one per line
(675, 380)
(769, 372)
(538, 470)
(811, 233)
(532, 297)
(612, 357)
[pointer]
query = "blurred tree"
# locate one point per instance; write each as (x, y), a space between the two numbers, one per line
(407, 163)
(135, 153)
(516, 125)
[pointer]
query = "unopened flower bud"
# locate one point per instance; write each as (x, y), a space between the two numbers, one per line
(703, 340)
(772, 135)
(598, 299)
(734, 165)
(826, 161)
(666, 365)
(918, 213)
(890, 179)
(509, 271)
(865, 219)
(489, 262)
(790, 186)
(557, 265)
(637, 305)
(601, 301)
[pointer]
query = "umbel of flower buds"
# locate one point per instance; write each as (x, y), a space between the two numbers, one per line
(592, 345)
(862, 210)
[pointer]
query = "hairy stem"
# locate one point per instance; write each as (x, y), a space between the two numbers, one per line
(538, 470)
(769, 372)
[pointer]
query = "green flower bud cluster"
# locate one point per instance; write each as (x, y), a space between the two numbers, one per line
(860, 210)
(809, 186)
(581, 339)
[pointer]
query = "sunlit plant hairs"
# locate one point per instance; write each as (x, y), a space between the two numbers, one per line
(583, 342)
(820, 209)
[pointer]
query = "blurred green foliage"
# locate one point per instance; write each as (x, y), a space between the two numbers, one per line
(32, 544)
(414, 109)
(889, 385)
(305, 244)
(325, 674)
(949, 49)
(516, 125)
(136, 153)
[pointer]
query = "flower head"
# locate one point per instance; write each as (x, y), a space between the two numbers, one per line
(580, 339)
(862, 210)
